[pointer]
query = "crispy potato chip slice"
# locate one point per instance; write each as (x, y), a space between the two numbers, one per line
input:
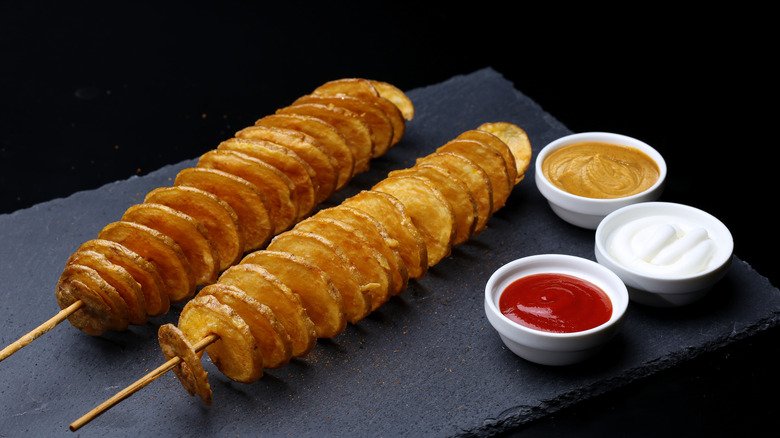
(236, 353)
(125, 285)
(395, 95)
(142, 270)
(219, 218)
(392, 214)
(367, 260)
(490, 161)
(244, 197)
(278, 188)
(517, 141)
(376, 118)
(462, 201)
(496, 143)
(102, 310)
(190, 371)
(396, 119)
(321, 300)
(473, 176)
(328, 256)
(354, 129)
(299, 171)
(305, 146)
(378, 238)
(430, 211)
(365, 90)
(166, 255)
(270, 334)
(191, 236)
(325, 133)
(356, 87)
(264, 287)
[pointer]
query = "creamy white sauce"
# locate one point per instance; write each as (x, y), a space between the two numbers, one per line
(663, 245)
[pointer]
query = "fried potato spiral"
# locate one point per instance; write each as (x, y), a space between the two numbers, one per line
(251, 187)
(344, 262)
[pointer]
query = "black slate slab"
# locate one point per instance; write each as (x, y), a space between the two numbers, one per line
(425, 364)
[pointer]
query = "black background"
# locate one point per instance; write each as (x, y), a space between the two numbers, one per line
(96, 92)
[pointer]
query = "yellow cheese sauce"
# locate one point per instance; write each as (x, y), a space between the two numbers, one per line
(600, 170)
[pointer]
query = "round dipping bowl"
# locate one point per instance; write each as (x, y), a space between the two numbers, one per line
(549, 348)
(587, 212)
(628, 237)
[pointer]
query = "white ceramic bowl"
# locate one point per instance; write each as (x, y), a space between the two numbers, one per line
(588, 212)
(662, 284)
(548, 348)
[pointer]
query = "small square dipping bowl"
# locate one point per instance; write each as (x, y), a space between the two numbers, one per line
(549, 348)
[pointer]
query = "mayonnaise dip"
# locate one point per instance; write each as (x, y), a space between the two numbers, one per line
(663, 245)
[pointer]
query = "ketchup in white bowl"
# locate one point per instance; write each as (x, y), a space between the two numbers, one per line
(556, 303)
(555, 309)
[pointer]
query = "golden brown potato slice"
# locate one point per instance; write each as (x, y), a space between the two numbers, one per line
(354, 129)
(271, 336)
(142, 270)
(94, 317)
(321, 300)
(299, 171)
(190, 234)
(305, 146)
(496, 143)
(365, 90)
(166, 255)
(102, 310)
(278, 188)
(118, 277)
(490, 161)
(264, 287)
(366, 259)
(374, 116)
(517, 140)
(236, 353)
(392, 214)
(395, 95)
(430, 211)
(219, 218)
(462, 201)
(329, 257)
(378, 238)
(245, 198)
(325, 133)
(473, 176)
(396, 119)
(190, 371)
(356, 87)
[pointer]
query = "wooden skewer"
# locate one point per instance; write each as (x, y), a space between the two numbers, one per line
(40, 330)
(138, 385)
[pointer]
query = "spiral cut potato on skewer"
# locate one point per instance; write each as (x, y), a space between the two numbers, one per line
(345, 261)
(259, 183)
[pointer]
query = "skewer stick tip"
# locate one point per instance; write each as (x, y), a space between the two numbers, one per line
(137, 386)
(40, 330)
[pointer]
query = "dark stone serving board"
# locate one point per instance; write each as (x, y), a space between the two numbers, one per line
(425, 364)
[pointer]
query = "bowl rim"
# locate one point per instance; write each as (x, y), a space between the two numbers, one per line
(601, 237)
(605, 137)
(575, 263)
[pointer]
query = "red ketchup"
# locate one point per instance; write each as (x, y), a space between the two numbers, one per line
(556, 303)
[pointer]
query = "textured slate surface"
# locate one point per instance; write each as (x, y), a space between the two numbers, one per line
(425, 364)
